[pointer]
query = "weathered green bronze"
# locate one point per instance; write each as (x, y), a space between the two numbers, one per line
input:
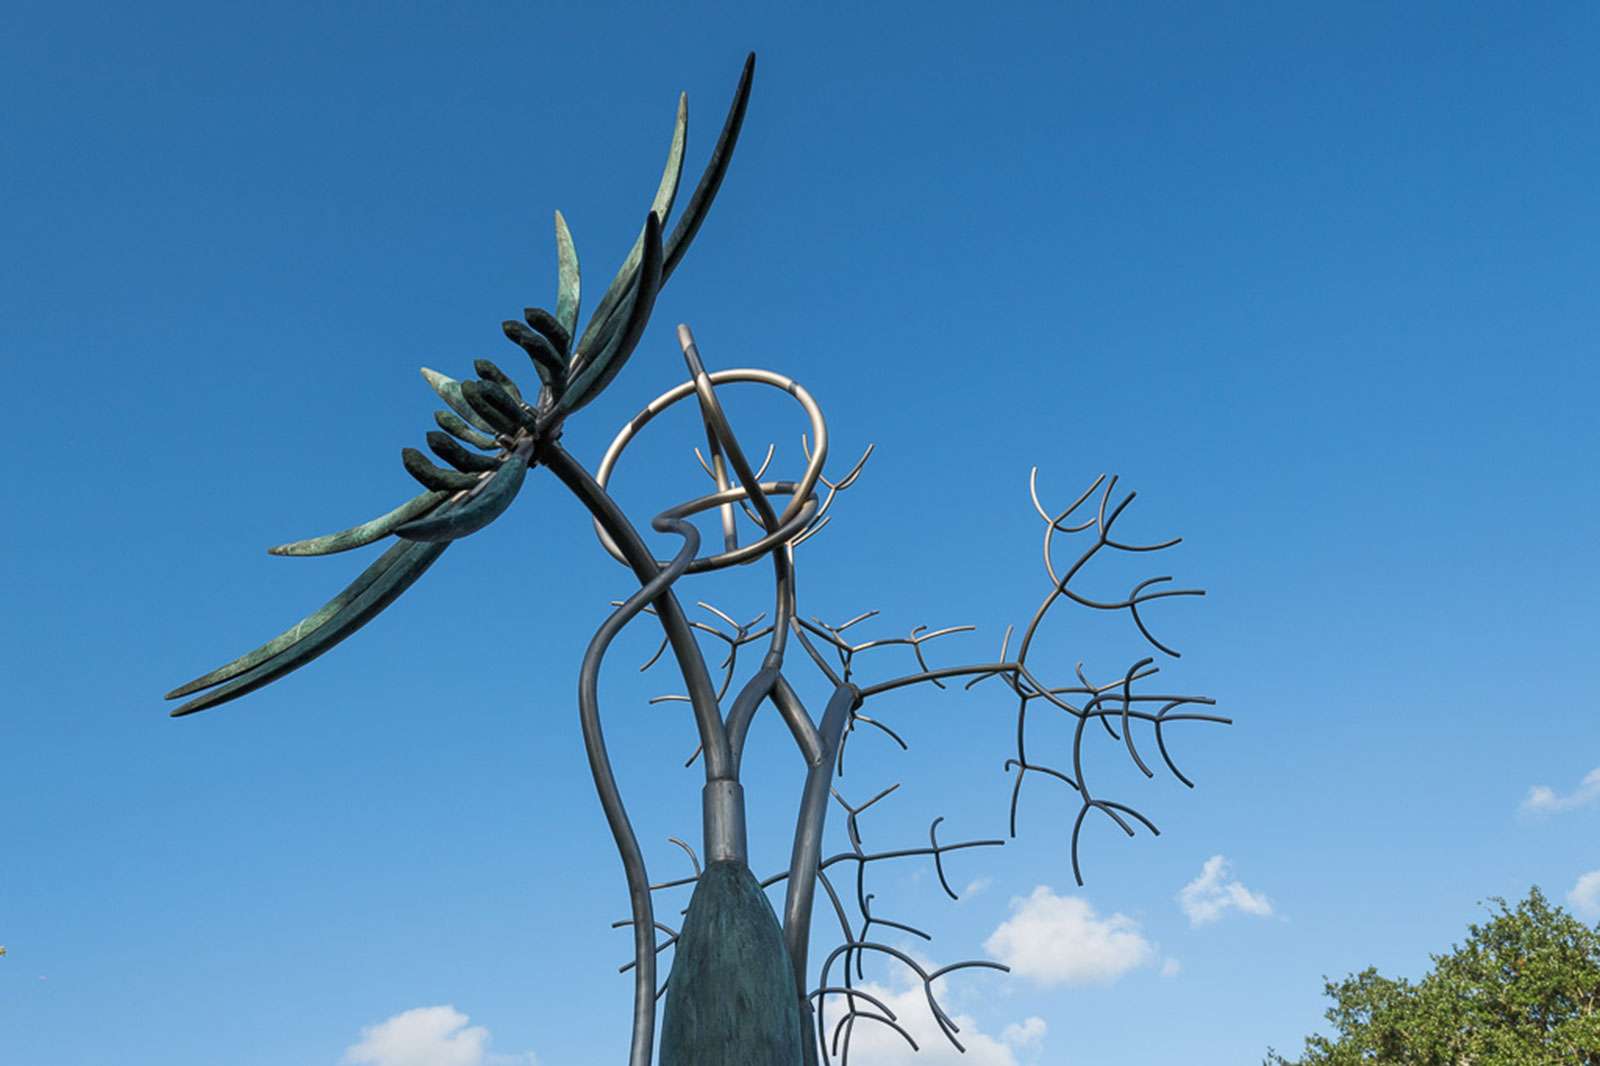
(731, 1000)
(742, 991)
(367, 532)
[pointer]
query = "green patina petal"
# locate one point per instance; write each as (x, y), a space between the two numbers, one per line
(569, 292)
(446, 448)
(553, 330)
(301, 629)
(449, 390)
(547, 361)
(366, 532)
(605, 366)
(454, 425)
(479, 509)
(605, 323)
(666, 192)
(401, 566)
(711, 179)
(489, 372)
(498, 410)
(432, 476)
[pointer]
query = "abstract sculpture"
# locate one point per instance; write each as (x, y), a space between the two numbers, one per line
(741, 989)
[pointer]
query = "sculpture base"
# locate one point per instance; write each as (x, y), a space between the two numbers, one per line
(731, 999)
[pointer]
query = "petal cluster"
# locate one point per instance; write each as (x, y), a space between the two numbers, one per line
(490, 433)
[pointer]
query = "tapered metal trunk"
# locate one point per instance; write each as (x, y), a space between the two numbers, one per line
(731, 998)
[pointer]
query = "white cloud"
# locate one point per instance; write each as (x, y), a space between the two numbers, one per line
(1206, 897)
(880, 1045)
(1025, 1034)
(1055, 939)
(1170, 967)
(1585, 896)
(428, 1036)
(978, 887)
(1542, 799)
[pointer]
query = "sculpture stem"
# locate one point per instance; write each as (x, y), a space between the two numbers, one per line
(702, 692)
(655, 585)
(807, 853)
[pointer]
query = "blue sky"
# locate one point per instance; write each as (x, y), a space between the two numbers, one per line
(1318, 284)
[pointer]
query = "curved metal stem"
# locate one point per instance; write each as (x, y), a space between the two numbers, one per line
(609, 518)
(644, 1015)
(804, 860)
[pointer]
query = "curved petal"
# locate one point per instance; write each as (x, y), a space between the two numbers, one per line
(711, 180)
(489, 372)
(547, 361)
(446, 448)
(569, 287)
(401, 566)
(435, 477)
(449, 390)
(607, 318)
(457, 427)
(307, 625)
(366, 532)
(551, 328)
(478, 510)
(666, 192)
(496, 406)
(597, 374)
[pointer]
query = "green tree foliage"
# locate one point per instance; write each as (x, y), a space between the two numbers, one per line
(1524, 990)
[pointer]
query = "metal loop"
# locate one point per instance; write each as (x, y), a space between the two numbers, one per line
(801, 492)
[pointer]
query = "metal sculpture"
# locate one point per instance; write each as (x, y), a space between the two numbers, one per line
(741, 989)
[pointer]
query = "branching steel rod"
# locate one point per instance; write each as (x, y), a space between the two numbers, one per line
(929, 675)
(946, 1024)
(868, 857)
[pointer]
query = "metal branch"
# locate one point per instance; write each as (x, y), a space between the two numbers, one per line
(694, 860)
(742, 634)
(857, 947)
(834, 488)
(672, 938)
